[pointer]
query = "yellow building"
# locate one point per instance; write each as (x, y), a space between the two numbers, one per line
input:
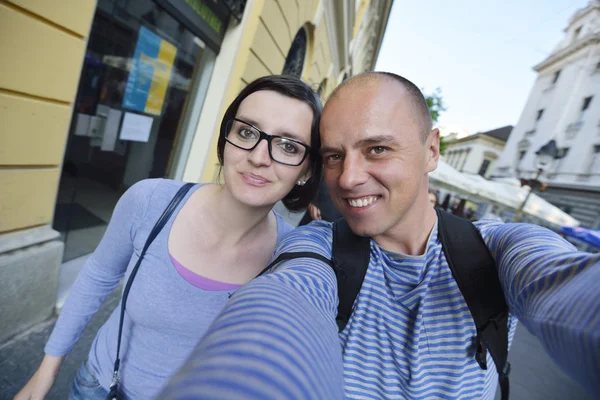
(95, 97)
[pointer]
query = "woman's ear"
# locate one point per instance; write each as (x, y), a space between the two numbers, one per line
(306, 175)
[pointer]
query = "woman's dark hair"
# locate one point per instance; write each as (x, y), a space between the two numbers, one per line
(300, 196)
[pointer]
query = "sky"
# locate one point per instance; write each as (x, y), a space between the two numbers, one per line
(479, 53)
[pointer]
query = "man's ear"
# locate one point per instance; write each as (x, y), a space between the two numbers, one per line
(433, 150)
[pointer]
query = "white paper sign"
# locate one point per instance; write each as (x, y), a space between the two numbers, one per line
(136, 127)
(111, 130)
(96, 127)
(102, 110)
(82, 124)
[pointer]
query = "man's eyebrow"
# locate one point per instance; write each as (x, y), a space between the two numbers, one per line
(257, 125)
(327, 149)
(376, 140)
(370, 141)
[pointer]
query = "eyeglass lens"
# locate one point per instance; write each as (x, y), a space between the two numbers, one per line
(283, 150)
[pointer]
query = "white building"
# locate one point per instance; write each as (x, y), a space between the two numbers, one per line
(478, 153)
(564, 105)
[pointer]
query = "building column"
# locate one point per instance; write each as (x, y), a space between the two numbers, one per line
(36, 101)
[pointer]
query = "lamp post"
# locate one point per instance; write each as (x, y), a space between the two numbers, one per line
(544, 157)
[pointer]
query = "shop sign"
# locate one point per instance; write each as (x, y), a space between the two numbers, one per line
(206, 19)
(150, 73)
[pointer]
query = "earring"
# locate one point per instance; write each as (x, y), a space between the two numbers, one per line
(300, 182)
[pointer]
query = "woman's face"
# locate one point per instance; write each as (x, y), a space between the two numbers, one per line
(253, 177)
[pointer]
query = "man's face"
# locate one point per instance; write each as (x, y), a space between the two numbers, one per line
(374, 158)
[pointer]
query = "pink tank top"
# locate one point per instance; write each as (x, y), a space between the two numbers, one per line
(200, 281)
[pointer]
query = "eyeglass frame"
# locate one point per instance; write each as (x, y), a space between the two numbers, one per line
(269, 139)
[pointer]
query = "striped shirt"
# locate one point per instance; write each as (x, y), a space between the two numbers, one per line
(410, 335)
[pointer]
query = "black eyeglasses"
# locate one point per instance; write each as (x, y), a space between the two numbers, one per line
(282, 150)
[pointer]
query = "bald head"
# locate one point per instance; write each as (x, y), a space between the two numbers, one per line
(406, 88)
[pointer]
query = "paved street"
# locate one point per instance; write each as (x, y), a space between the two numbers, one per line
(20, 358)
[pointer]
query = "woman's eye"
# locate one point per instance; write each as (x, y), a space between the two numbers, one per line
(247, 133)
(289, 148)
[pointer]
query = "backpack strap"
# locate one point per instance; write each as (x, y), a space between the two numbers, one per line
(350, 260)
(474, 270)
(350, 257)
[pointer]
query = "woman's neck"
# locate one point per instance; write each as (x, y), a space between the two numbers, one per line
(231, 221)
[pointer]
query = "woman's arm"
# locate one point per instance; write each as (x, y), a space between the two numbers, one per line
(103, 269)
(98, 278)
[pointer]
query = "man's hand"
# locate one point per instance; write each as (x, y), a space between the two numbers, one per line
(314, 212)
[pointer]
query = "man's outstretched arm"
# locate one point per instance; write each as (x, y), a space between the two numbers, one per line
(553, 290)
(276, 339)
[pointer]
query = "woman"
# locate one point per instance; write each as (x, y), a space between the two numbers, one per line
(219, 237)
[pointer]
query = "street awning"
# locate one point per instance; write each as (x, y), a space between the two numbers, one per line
(500, 193)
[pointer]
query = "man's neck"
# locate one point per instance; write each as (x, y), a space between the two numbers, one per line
(409, 236)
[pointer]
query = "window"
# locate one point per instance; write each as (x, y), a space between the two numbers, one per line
(586, 103)
(484, 167)
(556, 75)
(595, 164)
(521, 154)
(577, 32)
(598, 65)
(539, 114)
(562, 154)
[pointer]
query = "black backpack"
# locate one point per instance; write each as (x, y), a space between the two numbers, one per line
(472, 267)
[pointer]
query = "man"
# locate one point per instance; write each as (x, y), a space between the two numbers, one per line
(410, 335)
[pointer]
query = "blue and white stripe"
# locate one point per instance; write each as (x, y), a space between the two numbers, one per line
(410, 335)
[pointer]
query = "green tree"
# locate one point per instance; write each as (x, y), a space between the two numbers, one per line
(436, 105)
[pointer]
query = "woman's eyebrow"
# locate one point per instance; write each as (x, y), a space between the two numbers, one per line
(253, 122)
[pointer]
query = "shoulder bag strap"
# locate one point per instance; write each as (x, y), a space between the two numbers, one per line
(153, 234)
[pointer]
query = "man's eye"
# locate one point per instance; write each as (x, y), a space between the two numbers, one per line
(332, 158)
(377, 150)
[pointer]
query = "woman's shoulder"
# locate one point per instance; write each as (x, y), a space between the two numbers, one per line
(283, 227)
(156, 188)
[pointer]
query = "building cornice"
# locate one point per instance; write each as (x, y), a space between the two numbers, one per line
(476, 136)
(582, 43)
(582, 13)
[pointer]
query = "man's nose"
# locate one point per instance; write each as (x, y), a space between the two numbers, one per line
(259, 156)
(353, 173)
